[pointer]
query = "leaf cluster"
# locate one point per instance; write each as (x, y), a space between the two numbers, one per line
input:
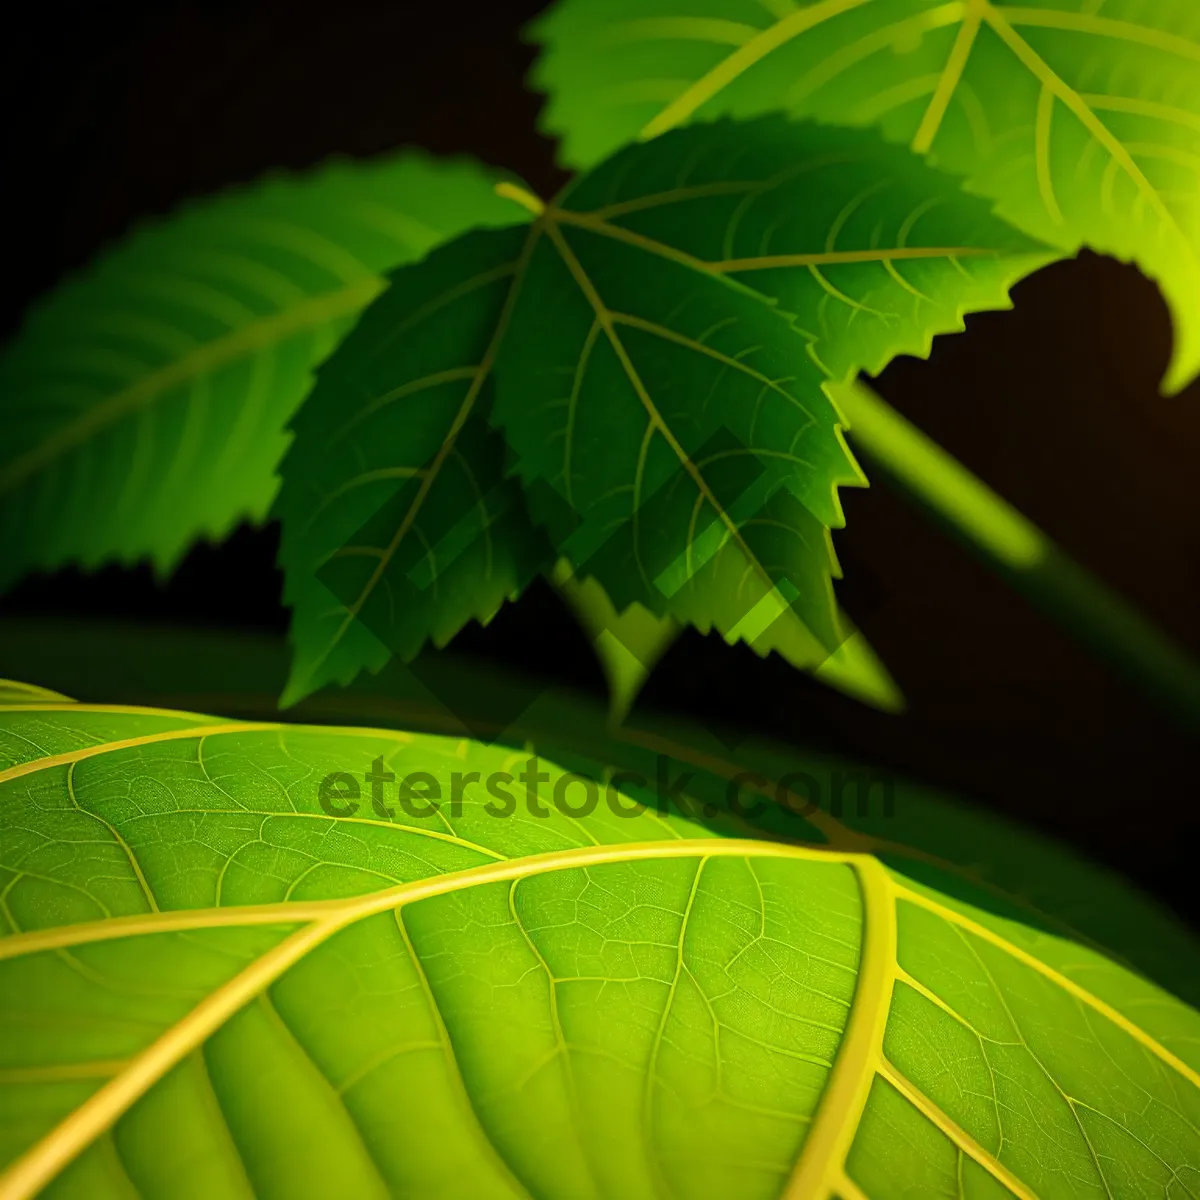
(228, 967)
(625, 387)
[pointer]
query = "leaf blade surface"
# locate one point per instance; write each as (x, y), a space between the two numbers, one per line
(145, 401)
(1082, 121)
(594, 1004)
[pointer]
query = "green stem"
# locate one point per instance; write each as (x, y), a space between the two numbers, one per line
(1022, 553)
(627, 644)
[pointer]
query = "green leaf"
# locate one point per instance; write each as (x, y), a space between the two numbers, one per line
(212, 986)
(12, 692)
(953, 846)
(1080, 117)
(398, 524)
(631, 347)
(144, 401)
(873, 251)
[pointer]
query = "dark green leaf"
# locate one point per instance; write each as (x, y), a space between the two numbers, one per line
(669, 422)
(398, 523)
(144, 403)
(635, 376)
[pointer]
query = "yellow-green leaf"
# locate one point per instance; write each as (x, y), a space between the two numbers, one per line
(1080, 117)
(222, 974)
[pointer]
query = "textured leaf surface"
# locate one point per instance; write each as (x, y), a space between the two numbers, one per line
(230, 992)
(1081, 117)
(642, 383)
(398, 523)
(686, 453)
(954, 846)
(144, 402)
(872, 251)
(669, 429)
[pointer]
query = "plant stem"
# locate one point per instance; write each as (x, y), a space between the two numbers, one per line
(1022, 553)
(627, 644)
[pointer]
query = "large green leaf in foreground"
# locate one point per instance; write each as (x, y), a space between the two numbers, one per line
(211, 986)
(1081, 117)
(144, 402)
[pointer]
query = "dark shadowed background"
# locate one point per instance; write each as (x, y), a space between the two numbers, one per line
(119, 111)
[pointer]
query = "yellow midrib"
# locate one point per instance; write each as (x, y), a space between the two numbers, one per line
(42, 1163)
(823, 1156)
(860, 1057)
(956, 61)
(743, 58)
(1069, 97)
(68, 757)
(974, 13)
(761, 262)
